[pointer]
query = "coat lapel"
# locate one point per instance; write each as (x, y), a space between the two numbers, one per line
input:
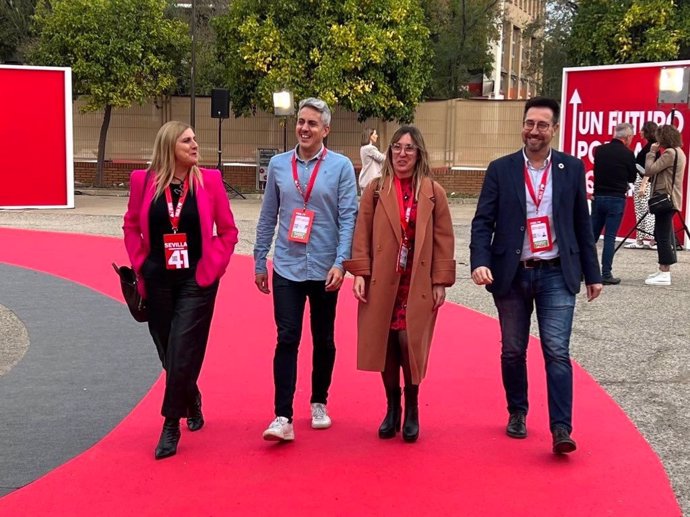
(517, 175)
(558, 177)
(388, 199)
(425, 209)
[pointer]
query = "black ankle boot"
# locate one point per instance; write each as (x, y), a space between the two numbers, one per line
(391, 422)
(167, 444)
(195, 418)
(410, 430)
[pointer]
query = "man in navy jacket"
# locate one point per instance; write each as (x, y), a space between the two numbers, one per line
(531, 245)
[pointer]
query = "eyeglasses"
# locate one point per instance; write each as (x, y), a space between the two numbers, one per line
(398, 148)
(541, 126)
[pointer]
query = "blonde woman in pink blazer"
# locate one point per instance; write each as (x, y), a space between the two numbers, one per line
(173, 207)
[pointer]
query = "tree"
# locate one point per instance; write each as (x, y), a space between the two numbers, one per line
(626, 31)
(462, 32)
(557, 26)
(120, 51)
(15, 20)
(368, 56)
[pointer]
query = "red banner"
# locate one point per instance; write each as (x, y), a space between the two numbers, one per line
(596, 99)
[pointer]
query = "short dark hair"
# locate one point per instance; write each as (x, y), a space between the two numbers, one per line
(649, 130)
(544, 102)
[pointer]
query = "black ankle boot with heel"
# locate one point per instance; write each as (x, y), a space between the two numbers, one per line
(391, 422)
(170, 436)
(410, 431)
(195, 418)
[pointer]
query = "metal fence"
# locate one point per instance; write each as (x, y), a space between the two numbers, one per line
(459, 133)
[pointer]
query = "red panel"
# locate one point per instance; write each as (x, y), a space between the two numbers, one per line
(595, 100)
(32, 130)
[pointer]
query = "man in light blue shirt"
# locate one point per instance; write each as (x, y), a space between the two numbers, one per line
(311, 195)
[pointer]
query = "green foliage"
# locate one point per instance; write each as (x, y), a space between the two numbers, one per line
(368, 56)
(120, 51)
(15, 20)
(627, 31)
(557, 27)
(461, 32)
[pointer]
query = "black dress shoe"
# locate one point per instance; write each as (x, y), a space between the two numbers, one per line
(562, 442)
(170, 436)
(195, 418)
(610, 280)
(517, 427)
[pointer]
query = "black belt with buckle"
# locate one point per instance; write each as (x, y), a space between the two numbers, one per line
(537, 263)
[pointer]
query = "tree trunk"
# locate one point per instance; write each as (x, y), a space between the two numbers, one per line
(101, 146)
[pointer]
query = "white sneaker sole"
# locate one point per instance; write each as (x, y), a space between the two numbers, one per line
(657, 282)
(276, 437)
(321, 425)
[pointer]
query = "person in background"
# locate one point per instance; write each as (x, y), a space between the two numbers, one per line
(371, 157)
(312, 196)
(168, 230)
(645, 228)
(531, 244)
(664, 181)
(402, 259)
(614, 169)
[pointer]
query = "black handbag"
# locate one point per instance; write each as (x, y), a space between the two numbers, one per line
(128, 283)
(661, 203)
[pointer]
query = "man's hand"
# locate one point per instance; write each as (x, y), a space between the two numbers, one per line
(334, 279)
(593, 291)
(261, 281)
(482, 276)
(360, 289)
(439, 294)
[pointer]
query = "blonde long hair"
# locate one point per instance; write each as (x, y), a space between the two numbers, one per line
(163, 157)
(422, 169)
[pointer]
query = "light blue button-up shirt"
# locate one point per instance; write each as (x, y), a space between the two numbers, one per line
(545, 208)
(334, 203)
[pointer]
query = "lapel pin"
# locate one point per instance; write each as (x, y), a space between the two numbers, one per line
(561, 166)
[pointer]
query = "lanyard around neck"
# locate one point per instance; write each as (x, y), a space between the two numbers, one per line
(405, 208)
(310, 186)
(542, 186)
(174, 213)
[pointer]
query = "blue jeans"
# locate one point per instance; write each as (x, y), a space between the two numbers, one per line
(544, 288)
(607, 211)
(289, 299)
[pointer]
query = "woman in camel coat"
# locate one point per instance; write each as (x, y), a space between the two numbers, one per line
(403, 212)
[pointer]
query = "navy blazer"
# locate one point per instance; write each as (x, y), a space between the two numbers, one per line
(498, 227)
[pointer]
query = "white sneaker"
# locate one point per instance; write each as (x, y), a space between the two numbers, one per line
(653, 274)
(662, 278)
(319, 416)
(634, 246)
(280, 430)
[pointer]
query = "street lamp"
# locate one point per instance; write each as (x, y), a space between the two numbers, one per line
(283, 106)
(674, 87)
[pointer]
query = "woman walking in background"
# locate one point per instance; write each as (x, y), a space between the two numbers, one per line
(371, 157)
(402, 259)
(173, 207)
(667, 178)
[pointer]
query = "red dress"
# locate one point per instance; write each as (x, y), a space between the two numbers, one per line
(398, 321)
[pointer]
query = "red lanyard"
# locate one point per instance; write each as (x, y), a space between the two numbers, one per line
(306, 195)
(405, 208)
(542, 186)
(175, 213)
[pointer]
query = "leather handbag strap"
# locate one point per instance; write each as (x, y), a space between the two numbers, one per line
(673, 180)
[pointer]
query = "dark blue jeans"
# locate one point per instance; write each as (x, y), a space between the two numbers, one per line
(289, 298)
(607, 211)
(544, 288)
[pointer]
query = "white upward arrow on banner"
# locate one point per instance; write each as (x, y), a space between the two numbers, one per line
(575, 101)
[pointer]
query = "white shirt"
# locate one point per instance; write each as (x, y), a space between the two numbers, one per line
(545, 208)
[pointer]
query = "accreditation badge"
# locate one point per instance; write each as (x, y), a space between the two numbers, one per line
(176, 252)
(300, 225)
(402, 257)
(539, 231)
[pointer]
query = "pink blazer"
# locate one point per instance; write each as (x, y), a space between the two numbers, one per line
(214, 207)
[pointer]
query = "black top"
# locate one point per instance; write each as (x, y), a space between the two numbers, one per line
(640, 158)
(614, 168)
(159, 224)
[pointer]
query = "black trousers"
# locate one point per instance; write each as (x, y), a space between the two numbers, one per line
(180, 314)
(665, 239)
(289, 299)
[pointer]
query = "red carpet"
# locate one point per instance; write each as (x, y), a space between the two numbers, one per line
(463, 463)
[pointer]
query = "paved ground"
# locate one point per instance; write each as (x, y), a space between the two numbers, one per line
(633, 340)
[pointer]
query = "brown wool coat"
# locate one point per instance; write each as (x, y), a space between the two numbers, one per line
(374, 254)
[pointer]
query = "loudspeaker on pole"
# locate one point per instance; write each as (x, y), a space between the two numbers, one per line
(220, 103)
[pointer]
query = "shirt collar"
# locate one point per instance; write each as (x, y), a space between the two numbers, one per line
(547, 162)
(317, 155)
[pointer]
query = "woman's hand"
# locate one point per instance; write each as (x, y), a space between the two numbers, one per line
(439, 294)
(654, 147)
(359, 289)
